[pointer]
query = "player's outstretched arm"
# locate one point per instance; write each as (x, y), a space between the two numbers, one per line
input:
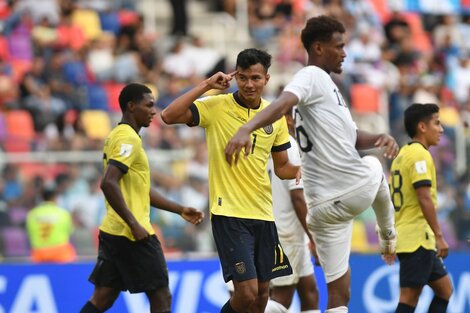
(274, 111)
(188, 213)
(178, 112)
(386, 142)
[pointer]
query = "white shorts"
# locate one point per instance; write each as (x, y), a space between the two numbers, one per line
(300, 261)
(331, 222)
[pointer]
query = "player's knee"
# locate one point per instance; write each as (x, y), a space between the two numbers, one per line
(445, 293)
(339, 297)
(103, 299)
(246, 294)
(161, 299)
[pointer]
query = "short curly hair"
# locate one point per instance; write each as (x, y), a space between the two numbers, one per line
(320, 28)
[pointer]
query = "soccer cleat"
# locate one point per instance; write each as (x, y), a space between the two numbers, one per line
(387, 244)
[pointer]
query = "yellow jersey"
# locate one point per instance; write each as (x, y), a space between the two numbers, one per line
(242, 190)
(123, 148)
(49, 225)
(411, 169)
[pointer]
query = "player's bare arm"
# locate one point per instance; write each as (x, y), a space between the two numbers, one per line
(272, 113)
(113, 194)
(385, 142)
(429, 213)
(283, 168)
(188, 213)
(178, 112)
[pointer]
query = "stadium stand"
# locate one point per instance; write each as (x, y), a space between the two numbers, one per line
(76, 56)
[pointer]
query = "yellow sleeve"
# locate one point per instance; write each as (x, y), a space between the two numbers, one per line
(123, 150)
(205, 110)
(420, 170)
(282, 136)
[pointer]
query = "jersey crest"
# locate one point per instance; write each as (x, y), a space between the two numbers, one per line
(268, 129)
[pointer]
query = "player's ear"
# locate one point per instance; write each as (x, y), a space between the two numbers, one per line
(421, 127)
(131, 106)
(267, 79)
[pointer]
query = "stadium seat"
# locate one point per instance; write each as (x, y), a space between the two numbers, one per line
(381, 8)
(17, 215)
(3, 127)
(19, 68)
(112, 92)
(97, 97)
(372, 237)
(15, 242)
(4, 51)
(127, 17)
(96, 124)
(365, 98)
(20, 124)
(110, 22)
(89, 21)
(20, 131)
(359, 241)
(421, 40)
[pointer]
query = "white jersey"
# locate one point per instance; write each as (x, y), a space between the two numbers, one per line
(326, 132)
(288, 226)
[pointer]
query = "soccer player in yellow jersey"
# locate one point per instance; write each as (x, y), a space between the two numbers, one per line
(130, 256)
(414, 196)
(240, 196)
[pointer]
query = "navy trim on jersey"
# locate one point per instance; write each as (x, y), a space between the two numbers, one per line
(280, 148)
(412, 142)
(240, 102)
(196, 117)
(123, 167)
(422, 183)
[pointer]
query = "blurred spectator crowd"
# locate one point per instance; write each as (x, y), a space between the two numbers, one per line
(63, 63)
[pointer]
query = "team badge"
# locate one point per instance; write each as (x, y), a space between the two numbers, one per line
(240, 267)
(268, 129)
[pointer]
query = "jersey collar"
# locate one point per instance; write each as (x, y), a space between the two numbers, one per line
(240, 101)
(414, 141)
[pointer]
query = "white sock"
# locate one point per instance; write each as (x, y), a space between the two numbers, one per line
(275, 307)
(383, 208)
(311, 311)
(340, 309)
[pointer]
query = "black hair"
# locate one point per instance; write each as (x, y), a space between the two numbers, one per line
(320, 28)
(416, 113)
(132, 93)
(252, 56)
(48, 193)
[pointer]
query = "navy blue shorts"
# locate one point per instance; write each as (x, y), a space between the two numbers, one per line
(419, 268)
(123, 264)
(249, 249)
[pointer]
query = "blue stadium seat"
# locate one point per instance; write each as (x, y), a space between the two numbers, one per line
(97, 98)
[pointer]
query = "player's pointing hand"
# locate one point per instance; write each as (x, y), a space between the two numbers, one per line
(220, 80)
(234, 147)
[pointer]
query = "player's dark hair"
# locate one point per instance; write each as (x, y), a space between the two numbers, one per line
(416, 113)
(252, 56)
(132, 93)
(320, 28)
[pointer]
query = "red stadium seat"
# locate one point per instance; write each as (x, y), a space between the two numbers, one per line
(365, 98)
(20, 131)
(4, 51)
(112, 91)
(19, 67)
